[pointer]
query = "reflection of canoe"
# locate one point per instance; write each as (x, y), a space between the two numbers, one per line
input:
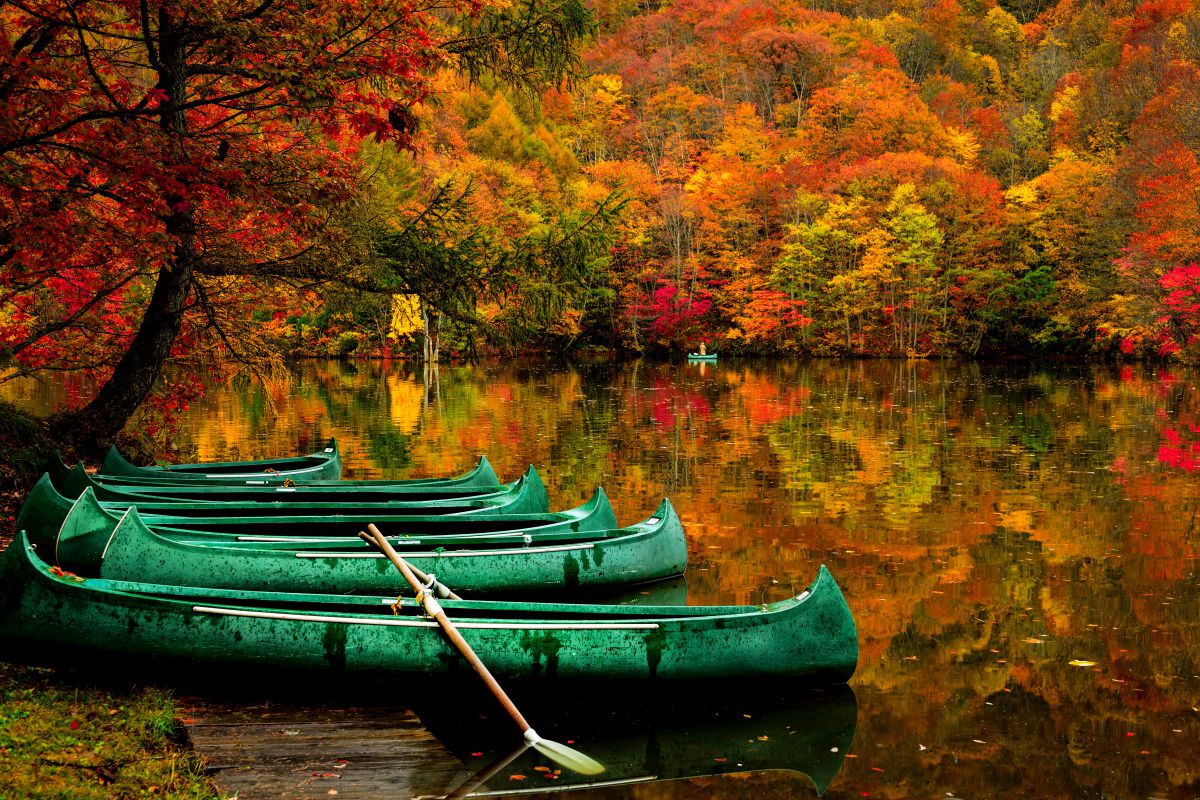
(480, 563)
(264, 486)
(642, 739)
(702, 356)
(810, 637)
(322, 465)
(86, 514)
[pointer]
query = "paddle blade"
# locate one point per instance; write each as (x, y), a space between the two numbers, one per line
(568, 757)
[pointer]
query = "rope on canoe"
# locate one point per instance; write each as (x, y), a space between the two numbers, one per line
(430, 583)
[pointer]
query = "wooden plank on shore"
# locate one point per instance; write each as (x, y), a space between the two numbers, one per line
(289, 752)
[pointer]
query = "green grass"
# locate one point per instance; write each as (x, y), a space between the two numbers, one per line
(61, 737)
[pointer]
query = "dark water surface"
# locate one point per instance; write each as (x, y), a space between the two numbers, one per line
(1018, 544)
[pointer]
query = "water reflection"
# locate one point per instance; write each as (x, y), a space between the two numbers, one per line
(1019, 545)
(648, 739)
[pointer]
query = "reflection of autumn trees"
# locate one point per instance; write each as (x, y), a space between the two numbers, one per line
(982, 678)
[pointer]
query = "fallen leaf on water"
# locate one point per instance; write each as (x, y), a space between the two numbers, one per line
(1032, 640)
(541, 769)
(476, 754)
(979, 741)
(720, 760)
(516, 777)
(763, 738)
(1081, 663)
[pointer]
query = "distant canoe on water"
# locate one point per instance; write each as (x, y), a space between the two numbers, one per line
(44, 611)
(702, 356)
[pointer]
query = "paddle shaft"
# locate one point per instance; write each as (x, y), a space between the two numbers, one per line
(433, 609)
(422, 576)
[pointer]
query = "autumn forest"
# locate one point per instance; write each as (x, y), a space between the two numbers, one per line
(198, 181)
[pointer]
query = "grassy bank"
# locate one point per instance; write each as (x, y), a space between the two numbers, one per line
(64, 737)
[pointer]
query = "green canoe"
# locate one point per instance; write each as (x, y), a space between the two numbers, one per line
(809, 637)
(87, 513)
(73, 484)
(702, 356)
(129, 550)
(526, 495)
(482, 478)
(323, 465)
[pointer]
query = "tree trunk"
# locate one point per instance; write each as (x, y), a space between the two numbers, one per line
(138, 370)
(102, 419)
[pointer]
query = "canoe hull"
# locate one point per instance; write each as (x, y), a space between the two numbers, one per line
(46, 507)
(325, 464)
(83, 531)
(651, 551)
(481, 478)
(811, 637)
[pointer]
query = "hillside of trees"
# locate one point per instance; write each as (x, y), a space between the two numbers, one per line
(867, 178)
(761, 176)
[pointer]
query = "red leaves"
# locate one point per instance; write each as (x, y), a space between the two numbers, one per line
(59, 572)
(93, 169)
(676, 316)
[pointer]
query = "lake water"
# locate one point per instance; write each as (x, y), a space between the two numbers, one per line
(1018, 544)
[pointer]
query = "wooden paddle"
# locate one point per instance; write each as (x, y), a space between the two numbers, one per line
(442, 589)
(556, 752)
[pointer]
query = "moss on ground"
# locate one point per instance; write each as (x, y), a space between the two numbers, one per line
(61, 737)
